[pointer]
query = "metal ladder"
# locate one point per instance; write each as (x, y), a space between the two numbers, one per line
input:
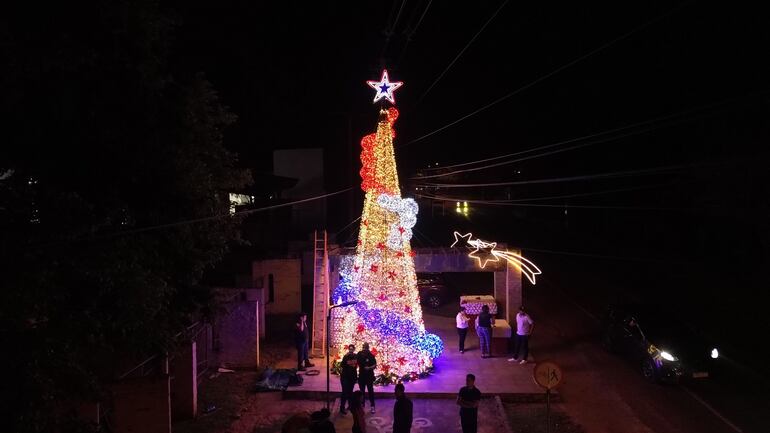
(320, 293)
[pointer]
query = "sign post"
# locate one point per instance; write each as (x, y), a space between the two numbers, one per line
(549, 376)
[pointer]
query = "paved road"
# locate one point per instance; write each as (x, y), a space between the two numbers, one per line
(605, 393)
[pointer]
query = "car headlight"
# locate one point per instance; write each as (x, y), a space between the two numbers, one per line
(667, 356)
(714, 353)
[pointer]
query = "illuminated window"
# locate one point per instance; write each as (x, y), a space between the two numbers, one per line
(239, 200)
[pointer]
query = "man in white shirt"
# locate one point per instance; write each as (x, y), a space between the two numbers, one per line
(462, 320)
(524, 326)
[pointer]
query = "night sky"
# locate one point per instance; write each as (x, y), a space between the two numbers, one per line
(630, 144)
(295, 74)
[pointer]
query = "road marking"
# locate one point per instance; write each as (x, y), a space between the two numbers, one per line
(712, 410)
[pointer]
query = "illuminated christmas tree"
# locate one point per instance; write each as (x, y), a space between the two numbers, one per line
(381, 276)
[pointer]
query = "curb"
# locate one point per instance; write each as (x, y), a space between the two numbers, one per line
(514, 397)
(503, 415)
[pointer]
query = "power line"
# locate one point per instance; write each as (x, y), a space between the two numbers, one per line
(412, 32)
(347, 225)
(585, 194)
(389, 32)
(585, 137)
(598, 256)
(648, 171)
(419, 100)
(205, 219)
(559, 206)
(540, 155)
(548, 75)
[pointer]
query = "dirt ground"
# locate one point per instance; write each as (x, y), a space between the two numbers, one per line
(227, 402)
(531, 418)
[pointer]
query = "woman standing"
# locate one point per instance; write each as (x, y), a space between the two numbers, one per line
(359, 423)
(484, 330)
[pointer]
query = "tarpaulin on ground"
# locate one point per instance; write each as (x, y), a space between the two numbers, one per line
(278, 380)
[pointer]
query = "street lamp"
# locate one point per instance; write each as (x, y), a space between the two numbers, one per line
(328, 337)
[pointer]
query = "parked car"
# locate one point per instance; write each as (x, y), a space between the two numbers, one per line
(664, 348)
(432, 289)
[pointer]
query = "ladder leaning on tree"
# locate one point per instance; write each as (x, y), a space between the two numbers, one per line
(320, 293)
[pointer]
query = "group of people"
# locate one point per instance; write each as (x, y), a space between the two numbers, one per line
(357, 368)
(468, 399)
(485, 322)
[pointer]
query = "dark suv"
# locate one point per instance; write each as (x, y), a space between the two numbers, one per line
(433, 291)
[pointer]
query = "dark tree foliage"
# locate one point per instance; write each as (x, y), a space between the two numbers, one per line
(100, 141)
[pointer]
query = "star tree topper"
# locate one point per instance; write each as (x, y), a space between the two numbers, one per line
(385, 87)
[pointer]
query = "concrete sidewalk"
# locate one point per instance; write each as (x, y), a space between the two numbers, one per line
(493, 375)
(430, 416)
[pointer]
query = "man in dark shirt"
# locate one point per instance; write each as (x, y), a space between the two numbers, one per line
(348, 376)
(468, 400)
(301, 337)
(366, 365)
(402, 411)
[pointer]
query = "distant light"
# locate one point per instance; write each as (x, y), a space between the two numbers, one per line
(458, 204)
(714, 353)
(465, 204)
(458, 210)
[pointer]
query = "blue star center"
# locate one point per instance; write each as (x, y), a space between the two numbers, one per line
(384, 88)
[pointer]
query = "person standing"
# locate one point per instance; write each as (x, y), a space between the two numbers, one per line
(301, 337)
(462, 320)
(524, 327)
(348, 377)
(366, 365)
(468, 400)
(402, 411)
(484, 330)
(359, 422)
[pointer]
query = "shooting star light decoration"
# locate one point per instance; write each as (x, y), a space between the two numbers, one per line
(485, 252)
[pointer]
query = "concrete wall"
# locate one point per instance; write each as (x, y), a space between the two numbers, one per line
(237, 329)
(184, 383)
(286, 277)
(142, 405)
